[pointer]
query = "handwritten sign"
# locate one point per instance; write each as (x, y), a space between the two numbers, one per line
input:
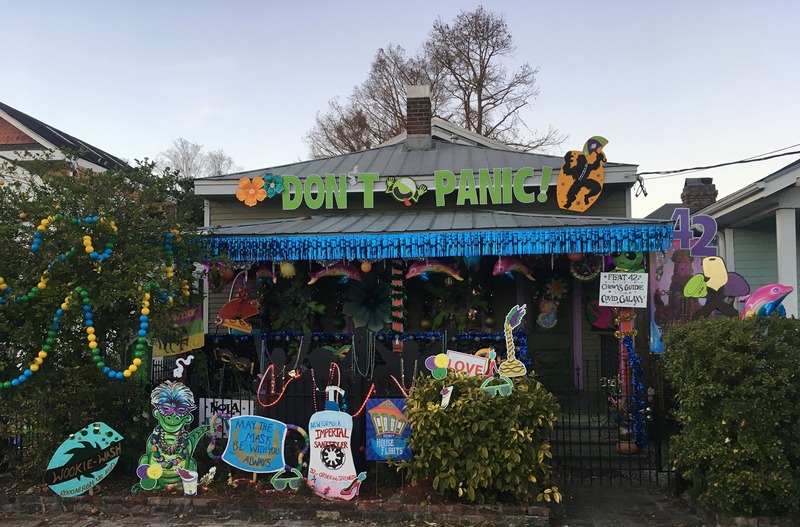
(623, 289)
(233, 407)
(466, 363)
(83, 460)
(330, 463)
(255, 444)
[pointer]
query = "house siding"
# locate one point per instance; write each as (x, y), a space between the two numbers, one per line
(756, 255)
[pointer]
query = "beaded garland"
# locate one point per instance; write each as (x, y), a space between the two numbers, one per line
(213, 429)
(83, 295)
(159, 444)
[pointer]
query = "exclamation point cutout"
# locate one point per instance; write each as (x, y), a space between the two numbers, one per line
(542, 197)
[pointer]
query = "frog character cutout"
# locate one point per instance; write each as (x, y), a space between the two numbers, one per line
(405, 190)
(171, 445)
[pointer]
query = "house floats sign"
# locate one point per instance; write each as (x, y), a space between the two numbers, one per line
(580, 182)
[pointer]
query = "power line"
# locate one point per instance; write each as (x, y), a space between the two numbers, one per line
(763, 157)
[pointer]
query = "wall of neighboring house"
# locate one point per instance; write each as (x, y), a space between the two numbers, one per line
(755, 253)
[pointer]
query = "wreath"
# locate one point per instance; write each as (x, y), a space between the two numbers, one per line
(586, 268)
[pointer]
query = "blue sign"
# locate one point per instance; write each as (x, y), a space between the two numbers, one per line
(83, 460)
(388, 430)
(255, 444)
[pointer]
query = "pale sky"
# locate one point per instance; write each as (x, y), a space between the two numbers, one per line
(670, 84)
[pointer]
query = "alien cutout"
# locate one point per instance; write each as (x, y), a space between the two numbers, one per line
(171, 445)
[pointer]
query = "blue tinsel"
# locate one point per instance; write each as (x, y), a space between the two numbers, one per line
(638, 394)
(441, 244)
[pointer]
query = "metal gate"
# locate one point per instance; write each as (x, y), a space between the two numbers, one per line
(593, 442)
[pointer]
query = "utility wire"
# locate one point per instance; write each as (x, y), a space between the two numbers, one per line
(763, 157)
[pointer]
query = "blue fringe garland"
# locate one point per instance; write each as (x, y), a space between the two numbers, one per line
(442, 244)
(638, 395)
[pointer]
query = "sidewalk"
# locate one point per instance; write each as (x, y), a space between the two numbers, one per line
(623, 506)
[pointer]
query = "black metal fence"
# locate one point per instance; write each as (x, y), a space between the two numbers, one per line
(594, 443)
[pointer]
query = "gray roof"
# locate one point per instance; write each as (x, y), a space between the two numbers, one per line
(64, 140)
(395, 159)
(421, 221)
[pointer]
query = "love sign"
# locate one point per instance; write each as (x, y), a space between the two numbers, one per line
(466, 363)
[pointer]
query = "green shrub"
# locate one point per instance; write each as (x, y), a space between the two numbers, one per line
(481, 448)
(737, 386)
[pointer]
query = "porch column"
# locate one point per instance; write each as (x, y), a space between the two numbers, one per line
(577, 333)
(786, 238)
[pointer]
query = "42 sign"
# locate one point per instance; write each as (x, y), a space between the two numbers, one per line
(684, 233)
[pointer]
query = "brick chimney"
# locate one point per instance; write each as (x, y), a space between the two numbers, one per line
(418, 118)
(698, 193)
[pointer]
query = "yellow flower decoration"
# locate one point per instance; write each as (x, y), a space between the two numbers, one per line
(556, 289)
(251, 192)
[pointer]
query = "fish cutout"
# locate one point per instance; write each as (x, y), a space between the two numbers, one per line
(422, 269)
(344, 272)
(765, 301)
(507, 265)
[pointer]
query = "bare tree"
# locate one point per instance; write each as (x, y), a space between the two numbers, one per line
(218, 163)
(375, 112)
(470, 54)
(463, 64)
(192, 163)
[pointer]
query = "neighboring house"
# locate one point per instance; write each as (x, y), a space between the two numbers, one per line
(757, 230)
(20, 133)
(481, 200)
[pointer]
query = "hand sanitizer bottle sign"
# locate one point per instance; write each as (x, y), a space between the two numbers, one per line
(330, 466)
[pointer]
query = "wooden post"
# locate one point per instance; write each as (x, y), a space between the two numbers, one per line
(625, 318)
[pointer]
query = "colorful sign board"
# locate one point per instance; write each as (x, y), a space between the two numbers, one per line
(191, 320)
(233, 407)
(331, 471)
(466, 363)
(623, 289)
(670, 307)
(255, 444)
(84, 459)
(388, 430)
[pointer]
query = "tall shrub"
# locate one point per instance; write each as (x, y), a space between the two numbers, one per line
(738, 389)
(481, 448)
(114, 235)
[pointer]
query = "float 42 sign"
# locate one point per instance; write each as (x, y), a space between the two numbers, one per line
(684, 232)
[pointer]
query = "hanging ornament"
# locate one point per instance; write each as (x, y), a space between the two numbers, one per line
(264, 274)
(587, 267)
(287, 270)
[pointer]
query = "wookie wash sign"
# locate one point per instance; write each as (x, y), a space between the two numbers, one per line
(579, 184)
